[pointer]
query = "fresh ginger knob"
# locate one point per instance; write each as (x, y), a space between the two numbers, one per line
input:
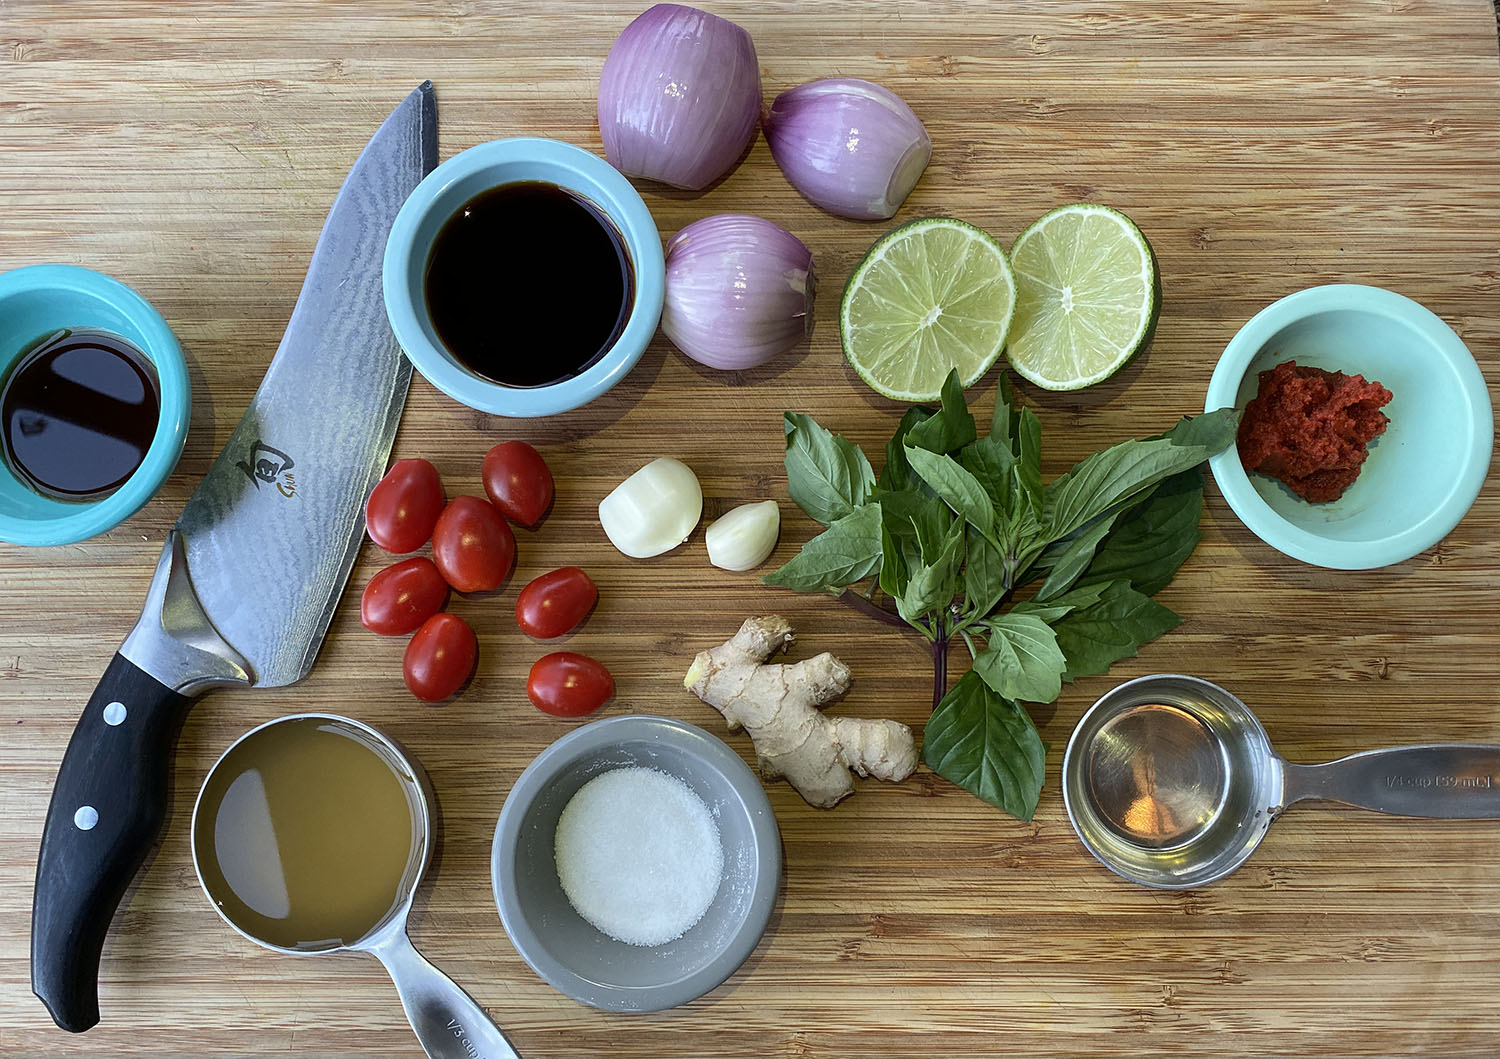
(777, 704)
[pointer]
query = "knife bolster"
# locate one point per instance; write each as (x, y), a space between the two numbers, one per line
(174, 640)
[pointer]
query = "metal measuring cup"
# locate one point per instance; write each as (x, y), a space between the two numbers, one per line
(1171, 781)
(448, 1022)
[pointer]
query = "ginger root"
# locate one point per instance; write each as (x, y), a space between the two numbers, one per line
(776, 703)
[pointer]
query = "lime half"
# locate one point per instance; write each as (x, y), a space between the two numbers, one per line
(930, 296)
(1087, 296)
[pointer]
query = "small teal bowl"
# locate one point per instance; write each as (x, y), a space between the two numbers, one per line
(41, 299)
(1421, 475)
(439, 197)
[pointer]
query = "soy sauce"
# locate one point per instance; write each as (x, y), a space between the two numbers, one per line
(79, 411)
(529, 284)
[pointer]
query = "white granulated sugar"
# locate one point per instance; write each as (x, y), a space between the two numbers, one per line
(638, 855)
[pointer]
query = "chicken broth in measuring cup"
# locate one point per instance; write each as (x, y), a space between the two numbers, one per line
(305, 833)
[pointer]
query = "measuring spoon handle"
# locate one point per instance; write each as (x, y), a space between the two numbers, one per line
(447, 1021)
(1453, 781)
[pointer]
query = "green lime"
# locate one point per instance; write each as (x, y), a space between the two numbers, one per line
(1087, 296)
(930, 296)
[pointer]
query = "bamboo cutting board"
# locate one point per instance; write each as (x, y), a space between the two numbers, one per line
(192, 149)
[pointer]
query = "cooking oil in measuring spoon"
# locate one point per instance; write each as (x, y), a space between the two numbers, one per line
(305, 834)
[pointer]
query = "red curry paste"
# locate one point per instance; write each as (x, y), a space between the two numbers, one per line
(1309, 428)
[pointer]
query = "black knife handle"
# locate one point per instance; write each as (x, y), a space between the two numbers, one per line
(108, 806)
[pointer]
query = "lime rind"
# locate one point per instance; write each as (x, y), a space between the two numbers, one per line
(1069, 260)
(931, 295)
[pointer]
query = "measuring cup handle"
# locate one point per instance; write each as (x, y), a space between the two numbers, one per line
(1445, 781)
(447, 1021)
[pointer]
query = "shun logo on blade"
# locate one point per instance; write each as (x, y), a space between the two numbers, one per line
(271, 466)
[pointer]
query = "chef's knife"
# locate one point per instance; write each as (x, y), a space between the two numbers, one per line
(249, 576)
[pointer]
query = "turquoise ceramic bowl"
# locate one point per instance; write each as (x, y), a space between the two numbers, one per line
(1422, 474)
(490, 165)
(42, 299)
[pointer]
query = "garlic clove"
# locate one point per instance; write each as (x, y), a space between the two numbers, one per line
(745, 537)
(654, 510)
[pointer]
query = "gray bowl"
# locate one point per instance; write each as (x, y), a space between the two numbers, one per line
(568, 952)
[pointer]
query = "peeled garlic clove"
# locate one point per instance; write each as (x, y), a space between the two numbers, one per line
(745, 537)
(654, 510)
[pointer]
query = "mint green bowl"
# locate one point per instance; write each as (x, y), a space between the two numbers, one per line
(40, 299)
(1422, 474)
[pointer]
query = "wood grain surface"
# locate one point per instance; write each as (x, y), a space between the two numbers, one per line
(193, 148)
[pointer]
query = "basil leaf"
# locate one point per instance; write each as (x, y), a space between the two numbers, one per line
(984, 575)
(993, 466)
(987, 745)
(1081, 596)
(1111, 477)
(896, 474)
(1023, 660)
(1029, 458)
(1014, 489)
(957, 488)
(1096, 636)
(950, 429)
(935, 580)
(933, 525)
(1002, 418)
(1025, 533)
(916, 522)
(901, 506)
(915, 527)
(894, 575)
(1152, 540)
(826, 474)
(1214, 431)
(1128, 469)
(847, 551)
(1067, 559)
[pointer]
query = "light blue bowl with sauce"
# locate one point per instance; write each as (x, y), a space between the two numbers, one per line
(41, 300)
(1422, 474)
(453, 184)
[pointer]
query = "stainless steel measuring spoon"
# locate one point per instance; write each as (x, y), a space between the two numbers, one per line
(447, 1021)
(1171, 781)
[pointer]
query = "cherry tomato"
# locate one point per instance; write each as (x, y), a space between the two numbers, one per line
(440, 657)
(401, 597)
(555, 603)
(472, 545)
(517, 481)
(565, 684)
(404, 505)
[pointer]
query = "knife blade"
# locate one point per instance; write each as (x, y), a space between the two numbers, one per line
(250, 574)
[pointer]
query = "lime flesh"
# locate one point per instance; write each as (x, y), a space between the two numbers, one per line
(930, 296)
(1087, 296)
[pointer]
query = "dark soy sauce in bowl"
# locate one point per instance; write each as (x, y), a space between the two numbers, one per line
(528, 284)
(79, 411)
